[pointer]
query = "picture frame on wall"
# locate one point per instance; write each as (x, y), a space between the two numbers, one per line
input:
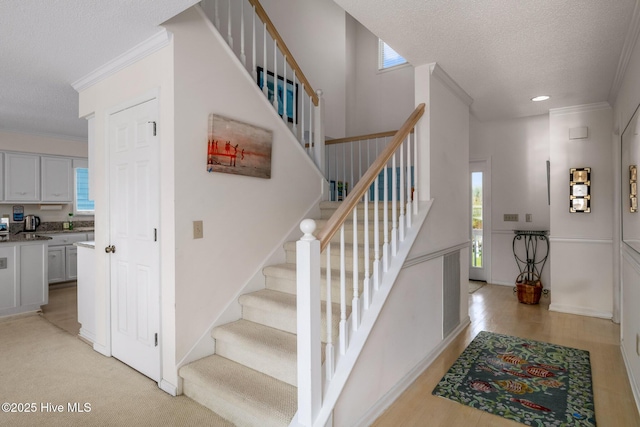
(580, 190)
(291, 93)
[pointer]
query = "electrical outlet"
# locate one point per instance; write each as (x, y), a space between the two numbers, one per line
(511, 217)
(529, 217)
(197, 230)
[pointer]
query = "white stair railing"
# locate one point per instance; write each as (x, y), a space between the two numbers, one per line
(315, 403)
(273, 68)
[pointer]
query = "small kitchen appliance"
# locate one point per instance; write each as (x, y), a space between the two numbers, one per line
(31, 222)
(4, 226)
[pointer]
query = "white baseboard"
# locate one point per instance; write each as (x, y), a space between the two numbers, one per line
(385, 401)
(581, 311)
(167, 387)
(102, 349)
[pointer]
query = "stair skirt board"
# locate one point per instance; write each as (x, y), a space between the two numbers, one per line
(252, 378)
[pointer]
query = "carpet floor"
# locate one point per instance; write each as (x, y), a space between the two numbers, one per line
(531, 382)
(49, 377)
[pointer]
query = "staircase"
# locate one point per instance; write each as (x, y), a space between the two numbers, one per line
(251, 380)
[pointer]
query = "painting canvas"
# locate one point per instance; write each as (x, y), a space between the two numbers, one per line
(238, 148)
(292, 94)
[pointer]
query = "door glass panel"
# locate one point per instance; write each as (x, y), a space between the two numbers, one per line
(476, 219)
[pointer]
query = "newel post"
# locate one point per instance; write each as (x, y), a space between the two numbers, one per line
(318, 133)
(308, 328)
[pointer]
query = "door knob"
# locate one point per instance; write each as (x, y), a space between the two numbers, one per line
(110, 249)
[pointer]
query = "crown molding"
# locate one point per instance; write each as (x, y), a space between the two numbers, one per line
(154, 43)
(627, 51)
(441, 75)
(579, 108)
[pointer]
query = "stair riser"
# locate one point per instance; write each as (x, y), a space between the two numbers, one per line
(335, 259)
(279, 368)
(285, 284)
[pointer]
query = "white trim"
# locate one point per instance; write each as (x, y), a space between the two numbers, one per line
(167, 387)
(563, 308)
(394, 393)
(436, 254)
(441, 75)
(626, 54)
(575, 240)
(579, 108)
(154, 43)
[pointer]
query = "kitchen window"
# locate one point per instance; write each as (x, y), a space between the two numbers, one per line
(82, 205)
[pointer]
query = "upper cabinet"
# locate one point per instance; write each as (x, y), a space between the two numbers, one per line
(22, 177)
(57, 179)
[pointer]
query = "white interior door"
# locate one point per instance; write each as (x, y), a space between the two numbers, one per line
(480, 183)
(134, 249)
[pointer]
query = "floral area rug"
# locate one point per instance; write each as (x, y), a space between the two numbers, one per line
(531, 382)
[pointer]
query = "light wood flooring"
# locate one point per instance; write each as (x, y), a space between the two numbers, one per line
(491, 308)
(496, 309)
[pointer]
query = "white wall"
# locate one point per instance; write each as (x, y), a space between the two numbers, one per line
(245, 218)
(42, 144)
(582, 243)
(377, 101)
(626, 103)
(518, 150)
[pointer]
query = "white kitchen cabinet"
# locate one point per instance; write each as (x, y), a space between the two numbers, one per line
(22, 177)
(23, 277)
(57, 264)
(56, 179)
(1, 176)
(63, 256)
(71, 261)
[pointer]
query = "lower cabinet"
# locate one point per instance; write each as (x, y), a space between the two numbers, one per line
(63, 256)
(23, 277)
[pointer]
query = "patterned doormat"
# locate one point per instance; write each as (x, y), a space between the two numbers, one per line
(531, 382)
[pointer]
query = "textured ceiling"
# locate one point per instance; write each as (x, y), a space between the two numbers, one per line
(45, 45)
(503, 52)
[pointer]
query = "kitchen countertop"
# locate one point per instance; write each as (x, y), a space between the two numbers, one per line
(75, 230)
(22, 237)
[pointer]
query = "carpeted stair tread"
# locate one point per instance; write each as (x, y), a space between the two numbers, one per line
(264, 349)
(239, 394)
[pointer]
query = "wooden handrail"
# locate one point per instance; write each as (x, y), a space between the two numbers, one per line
(360, 137)
(341, 214)
(285, 50)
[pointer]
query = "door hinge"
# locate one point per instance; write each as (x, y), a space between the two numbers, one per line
(156, 341)
(155, 234)
(154, 128)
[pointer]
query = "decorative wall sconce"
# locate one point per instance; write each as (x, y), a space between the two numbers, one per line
(580, 190)
(633, 188)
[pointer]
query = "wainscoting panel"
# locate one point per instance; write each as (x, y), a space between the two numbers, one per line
(451, 292)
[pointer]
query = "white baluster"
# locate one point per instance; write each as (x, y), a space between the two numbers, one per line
(394, 207)
(265, 74)
(308, 324)
(343, 296)
(351, 166)
(243, 57)
(229, 38)
(355, 303)
(367, 281)
(295, 105)
(254, 69)
(311, 135)
(385, 213)
(409, 179)
(217, 15)
(284, 92)
(401, 191)
(275, 76)
(329, 359)
(376, 235)
(415, 171)
(318, 132)
(302, 138)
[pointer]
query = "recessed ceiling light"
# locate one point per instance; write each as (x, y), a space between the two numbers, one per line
(540, 98)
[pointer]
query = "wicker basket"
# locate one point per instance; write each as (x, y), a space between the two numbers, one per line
(529, 291)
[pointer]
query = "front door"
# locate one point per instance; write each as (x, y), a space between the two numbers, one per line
(479, 220)
(134, 219)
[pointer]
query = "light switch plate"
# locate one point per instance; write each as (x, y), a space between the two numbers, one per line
(197, 230)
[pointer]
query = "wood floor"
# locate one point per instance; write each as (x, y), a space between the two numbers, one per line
(491, 308)
(496, 309)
